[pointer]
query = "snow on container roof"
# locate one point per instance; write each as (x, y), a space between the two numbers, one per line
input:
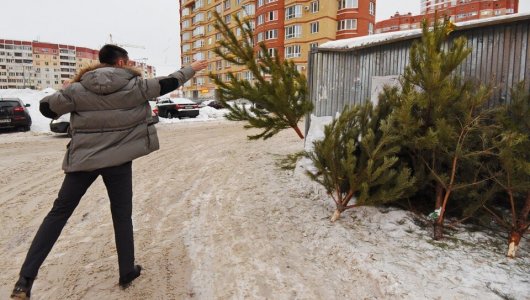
(389, 37)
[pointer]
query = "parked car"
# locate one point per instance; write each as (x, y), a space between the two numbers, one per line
(212, 103)
(61, 124)
(14, 114)
(177, 108)
(154, 115)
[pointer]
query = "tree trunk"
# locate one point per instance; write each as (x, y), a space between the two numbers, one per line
(336, 215)
(438, 230)
(439, 196)
(439, 222)
(521, 226)
(298, 131)
(513, 243)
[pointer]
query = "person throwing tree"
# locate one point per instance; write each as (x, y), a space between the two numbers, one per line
(110, 125)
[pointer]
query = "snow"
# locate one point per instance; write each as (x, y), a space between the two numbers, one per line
(41, 124)
(406, 34)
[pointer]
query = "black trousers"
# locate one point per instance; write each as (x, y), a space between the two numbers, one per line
(118, 181)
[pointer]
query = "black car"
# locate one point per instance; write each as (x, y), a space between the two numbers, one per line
(212, 103)
(14, 114)
(178, 107)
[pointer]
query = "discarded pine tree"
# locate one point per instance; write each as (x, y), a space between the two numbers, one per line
(512, 172)
(278, 91)
(441, 117)
(356, 159)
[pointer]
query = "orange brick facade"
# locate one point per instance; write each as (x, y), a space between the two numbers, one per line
(456, 10)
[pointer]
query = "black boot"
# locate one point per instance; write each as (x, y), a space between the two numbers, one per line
(126, 280)
(22, 288)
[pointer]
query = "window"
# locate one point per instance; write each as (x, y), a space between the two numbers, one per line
(185, 23)
(260, 3)
(227, 4)
(260, 37)
(314, 27)
(261, 19)
(293, 51)
(270, 1)
(228, 19)
(186, 60)
(198, 44)
(272, 52)
(199, 56)
(292, 12)
(343, 4)
(271, 34)
(293, 31)
(370, 28)
(371, 8)
(249, 9)
(186, 47)
(315, 6)
(248, 75)
(313, 46)
(272, 15)
(197, 18)
(219, 65)
(198, 31)
(348, 24)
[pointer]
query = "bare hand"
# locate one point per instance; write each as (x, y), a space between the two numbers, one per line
(199, 65)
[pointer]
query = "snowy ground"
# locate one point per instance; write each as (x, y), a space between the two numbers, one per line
(216, 218)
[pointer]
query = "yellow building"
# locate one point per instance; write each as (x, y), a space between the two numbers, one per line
(287, 27)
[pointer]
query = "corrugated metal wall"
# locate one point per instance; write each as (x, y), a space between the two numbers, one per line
(500, 56)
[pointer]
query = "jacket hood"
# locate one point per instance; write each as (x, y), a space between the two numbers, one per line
(104, 79)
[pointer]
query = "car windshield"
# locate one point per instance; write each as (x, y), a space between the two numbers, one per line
(9, 104)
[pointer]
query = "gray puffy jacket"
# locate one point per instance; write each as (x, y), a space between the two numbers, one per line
(110, 116)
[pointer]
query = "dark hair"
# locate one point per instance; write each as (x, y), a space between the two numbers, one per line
(110, 54)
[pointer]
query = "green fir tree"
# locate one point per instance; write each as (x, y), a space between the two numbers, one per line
(511, 169)
(441, 118)
(357, 159)
(278, 90)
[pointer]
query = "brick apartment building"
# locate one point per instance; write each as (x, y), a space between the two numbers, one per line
(287, 27)
(456, 10)
(39, 65)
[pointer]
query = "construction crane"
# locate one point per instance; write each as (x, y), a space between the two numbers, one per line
(111, 41)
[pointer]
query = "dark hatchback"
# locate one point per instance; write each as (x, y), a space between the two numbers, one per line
(14, 114)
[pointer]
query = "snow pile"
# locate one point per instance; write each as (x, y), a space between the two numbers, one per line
(315, 133)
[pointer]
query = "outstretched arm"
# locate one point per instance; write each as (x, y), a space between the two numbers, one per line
(180, 77)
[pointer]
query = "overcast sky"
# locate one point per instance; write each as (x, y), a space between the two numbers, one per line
(152, 24)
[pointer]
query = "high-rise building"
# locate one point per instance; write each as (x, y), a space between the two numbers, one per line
(456, 10)
(289, 28)
(37, 65)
